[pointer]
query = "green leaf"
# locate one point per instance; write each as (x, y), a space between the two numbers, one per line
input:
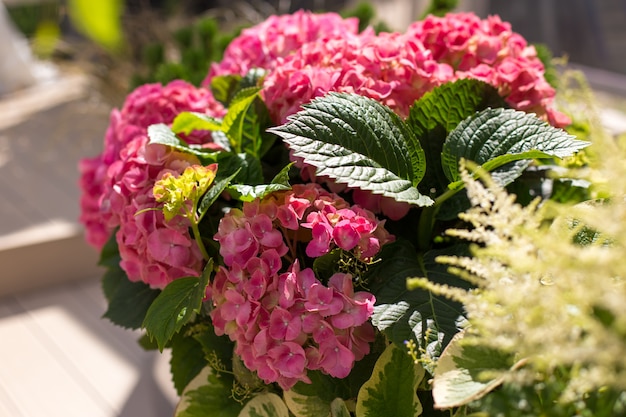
(438, 113)
(403, 314)
(187, 361)
(247, 167)
(213, 194)
(162, 134)
(244, 192)
(128, 301)
(466, 372)
(208, 395)
(314, 400)
(358, 142)
(224, 87)
(235, 119)
(338, 408)
(392, 388)
(187, 122)
(266, 404)
(495, 137)
(217, 349)
(176, 306)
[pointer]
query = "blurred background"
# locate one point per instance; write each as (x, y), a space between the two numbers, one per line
(64, 65)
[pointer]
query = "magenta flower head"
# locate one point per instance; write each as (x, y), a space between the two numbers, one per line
(286, 321)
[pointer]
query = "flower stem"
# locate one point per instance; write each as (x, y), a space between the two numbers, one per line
(427, 219)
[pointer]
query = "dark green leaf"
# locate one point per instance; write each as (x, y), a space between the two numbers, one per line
(403, 314)
(439, 112)
(187, 122)
(217, 349)
(314, 400)
(186, 362)
(358, 142)
(213, 194)
(176, 306)
(128, 301)
(495, 137)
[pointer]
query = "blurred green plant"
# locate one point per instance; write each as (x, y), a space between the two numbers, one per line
(99, 21)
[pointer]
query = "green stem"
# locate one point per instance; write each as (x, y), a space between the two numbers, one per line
(196, 231)
(427, 219)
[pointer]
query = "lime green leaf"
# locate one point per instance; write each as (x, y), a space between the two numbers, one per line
(466, 372)
(234, 120)
(265, 405)
(495, 137)
(187, 122)
(186, 362)
(403, 314)
(439, 112)
(99, 20)
(128, 301)
(360, 143)
(176, 306)
(392, 388)
(208, 395)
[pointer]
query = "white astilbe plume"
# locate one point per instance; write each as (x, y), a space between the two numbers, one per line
(540, 293)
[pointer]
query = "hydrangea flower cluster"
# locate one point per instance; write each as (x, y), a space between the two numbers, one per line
(119, 182)
(285, 324)
(393, 68)
(278, 36)
(490, 51)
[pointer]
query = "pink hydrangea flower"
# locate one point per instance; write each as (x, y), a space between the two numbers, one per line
(277, 37)
(118, 183)
(286, 323)
(490, 51)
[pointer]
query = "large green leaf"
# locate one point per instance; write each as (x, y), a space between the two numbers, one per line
(177, 304)
(496, 137)
(404, 314)
(208, 395)
(266, 404)
(438, 113)
(186, 362)
(358, 142)
(392, 388)
(466, 372)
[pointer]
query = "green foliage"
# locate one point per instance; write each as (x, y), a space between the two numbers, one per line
(392, 389)
(467, 372)
(497, 137)
(208, 395)
(360, 143)
(265, 405)
(175, 306)
(438, 113)
(128, 301)
(440, 7)
(188, 360)
(405, 314)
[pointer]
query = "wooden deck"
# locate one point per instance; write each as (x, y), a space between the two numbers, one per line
(60, 359)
